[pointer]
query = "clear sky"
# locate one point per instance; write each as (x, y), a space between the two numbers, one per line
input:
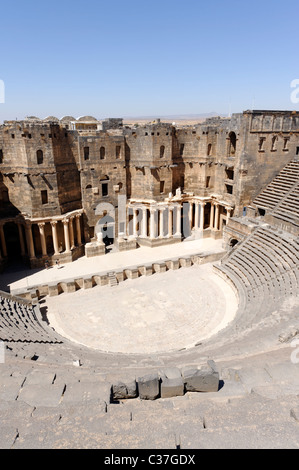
(137, 58)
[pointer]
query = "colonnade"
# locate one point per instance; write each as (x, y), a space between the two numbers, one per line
(167, 220)
(29, 241)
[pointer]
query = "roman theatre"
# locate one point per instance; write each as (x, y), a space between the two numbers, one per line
(150, 274)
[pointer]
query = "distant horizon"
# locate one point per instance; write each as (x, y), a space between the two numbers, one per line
(179, 117)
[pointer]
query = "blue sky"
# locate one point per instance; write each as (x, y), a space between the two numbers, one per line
(136, 58)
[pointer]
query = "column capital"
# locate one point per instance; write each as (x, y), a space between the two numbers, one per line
(53, 222)
(65, 221)
(41, 224)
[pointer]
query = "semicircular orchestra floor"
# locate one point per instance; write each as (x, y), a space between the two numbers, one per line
(163, 312)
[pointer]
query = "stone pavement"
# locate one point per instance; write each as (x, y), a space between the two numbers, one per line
(112, 261)
(163, 312)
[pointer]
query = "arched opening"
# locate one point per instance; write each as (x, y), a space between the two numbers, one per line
(39, 157)
(209, 150)
(162, 151)
(232, 142)
(233, 242)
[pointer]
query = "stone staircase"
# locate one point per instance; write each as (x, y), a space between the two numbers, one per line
(280, 197)
(112, 280)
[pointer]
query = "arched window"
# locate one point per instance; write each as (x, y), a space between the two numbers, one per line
(102, 153)
(88, 186)
(232, 142)
(162, 151)
(209, 151)
(39, 157)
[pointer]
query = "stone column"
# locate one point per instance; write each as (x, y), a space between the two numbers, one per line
(170, 221)
(178, 221)
(66, 235)
(202, 212)
(3, 243)
(196, 215)
(72, 238)
(78, 227)
(144, 222)
(29, 239)
(212, 215)
(152, 223)
(227, 215)
(190, 214)
(161, 222)
(41, 227)
(54, 236)
(216, 217)
(135, 232)
(22, 245)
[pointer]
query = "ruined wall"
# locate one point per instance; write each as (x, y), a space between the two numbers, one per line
(47, 169)
(101, 159)
(149, 158)
(269, 140)
(39, 170)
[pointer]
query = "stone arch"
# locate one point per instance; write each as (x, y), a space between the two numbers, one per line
(233, 242)
(232, 143)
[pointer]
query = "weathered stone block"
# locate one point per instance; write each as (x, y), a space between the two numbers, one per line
(132, 273)
(145, 270)
(123, 390)
(185, 262)
(159, 267)
(53, 290)
(172, 264)
(200, 380)
(149, 387)
(172, 387)
(87, 283)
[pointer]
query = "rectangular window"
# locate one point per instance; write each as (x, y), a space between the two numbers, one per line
(182, 146)
(44, 195)
(261, 144)
(1, 156)
(297, 150)
(285, 144)
(229, 188)
(117, 151)
(104, 189)
(86, 153)
(208, 179)
(162, 184)
(229, 172)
